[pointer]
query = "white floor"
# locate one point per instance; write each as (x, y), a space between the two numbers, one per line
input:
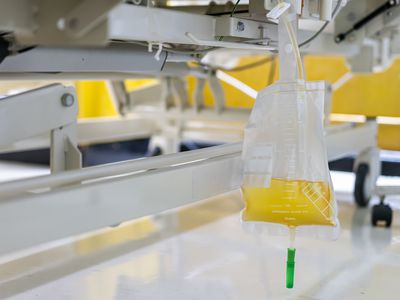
(202, 252)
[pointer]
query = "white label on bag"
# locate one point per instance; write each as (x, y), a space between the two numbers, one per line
(258, 164)
(259, 160)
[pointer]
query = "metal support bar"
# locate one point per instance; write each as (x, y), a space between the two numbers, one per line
(218, 93)
(198, 94)
(92, 131)
(119, 95)
(350, 141)
(53, 110)
(179, 91)
(64, 152)
(114, 169)
(174, 93)
(87, 15)
(131, 22)
(166, 93)
(115, 59)
(86, 206)
(41, 110)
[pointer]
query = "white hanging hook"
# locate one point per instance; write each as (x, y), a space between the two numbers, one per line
(278, 11)
(158, 53)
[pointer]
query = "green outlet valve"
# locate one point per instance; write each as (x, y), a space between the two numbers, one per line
(290, 267)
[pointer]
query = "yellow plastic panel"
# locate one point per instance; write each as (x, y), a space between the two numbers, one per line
(366, 94)
(329, 68)
(389, 137)
(256, 78)
(134, 84)
(94, 99)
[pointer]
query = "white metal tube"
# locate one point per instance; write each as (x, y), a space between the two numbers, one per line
(231, 45)
(241, 86)
(326, 10)
(120, 168)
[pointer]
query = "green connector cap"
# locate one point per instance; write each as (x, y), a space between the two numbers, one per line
(290, 267)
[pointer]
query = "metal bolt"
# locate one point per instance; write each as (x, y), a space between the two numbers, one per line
(240, 26)
(61, 24)
(67, 100)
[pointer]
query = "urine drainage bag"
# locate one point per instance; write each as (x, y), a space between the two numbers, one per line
(286, 183)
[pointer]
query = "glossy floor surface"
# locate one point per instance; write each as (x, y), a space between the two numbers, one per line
(202, 252)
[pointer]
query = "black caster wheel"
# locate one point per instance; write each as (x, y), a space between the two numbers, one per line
(382, 214)
(360, 196)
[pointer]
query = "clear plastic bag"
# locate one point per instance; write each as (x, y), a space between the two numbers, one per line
(286, 183)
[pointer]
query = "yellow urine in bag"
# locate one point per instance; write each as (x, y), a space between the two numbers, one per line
(290, 202)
